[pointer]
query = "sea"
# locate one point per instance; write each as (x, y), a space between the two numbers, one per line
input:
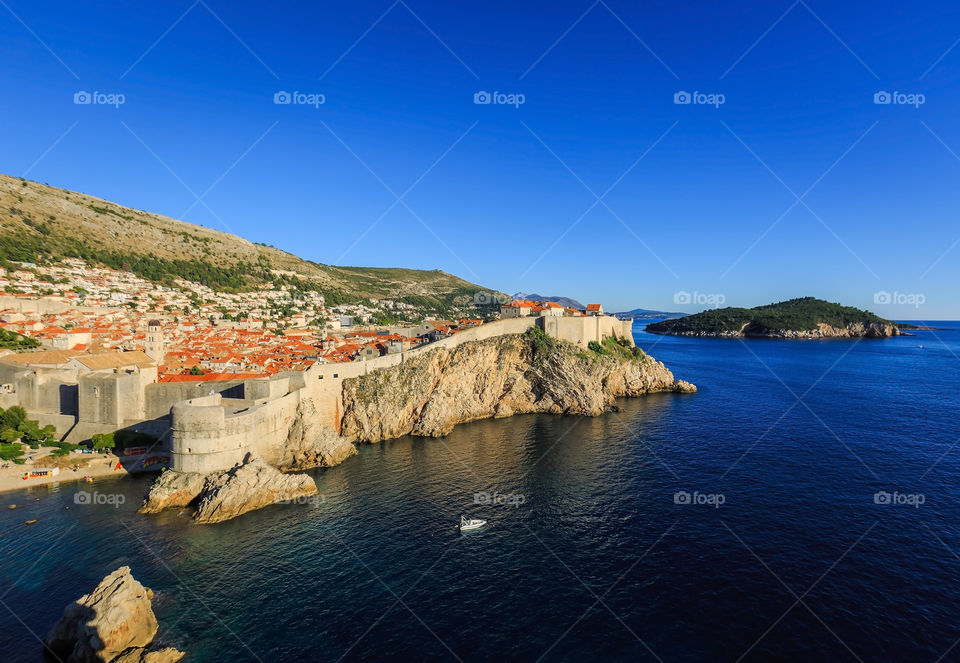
(802, 506)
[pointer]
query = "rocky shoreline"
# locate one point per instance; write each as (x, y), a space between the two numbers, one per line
(220, 496)
(499, 377)
(823, 331)
(427, 396)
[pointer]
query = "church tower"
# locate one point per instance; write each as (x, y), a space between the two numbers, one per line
(154, 346)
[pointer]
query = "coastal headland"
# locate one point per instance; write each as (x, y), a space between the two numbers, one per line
(514, 366)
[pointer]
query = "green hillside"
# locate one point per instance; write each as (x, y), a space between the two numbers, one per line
(797, 315)
(40, 223)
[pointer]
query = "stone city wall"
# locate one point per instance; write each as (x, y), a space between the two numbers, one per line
(213, 434)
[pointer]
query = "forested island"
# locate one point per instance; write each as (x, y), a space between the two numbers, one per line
(804, 317)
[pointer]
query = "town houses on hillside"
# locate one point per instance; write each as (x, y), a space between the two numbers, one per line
(193, 333)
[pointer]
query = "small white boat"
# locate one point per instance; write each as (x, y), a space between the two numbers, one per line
(920, 346)
(473, 523)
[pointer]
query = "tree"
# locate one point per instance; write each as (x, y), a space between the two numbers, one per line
(13, 417)
(30, 430)
(196, 370)
(10, 451)
(49, 433)
(10, 435)
(103, 441)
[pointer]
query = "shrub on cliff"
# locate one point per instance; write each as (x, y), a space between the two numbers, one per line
(542, 344)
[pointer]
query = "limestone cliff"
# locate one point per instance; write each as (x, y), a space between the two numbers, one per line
(497, 377)
(221, 496)
(311, 444)
(112, 624)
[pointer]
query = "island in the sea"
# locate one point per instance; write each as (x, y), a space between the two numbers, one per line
(804, 317)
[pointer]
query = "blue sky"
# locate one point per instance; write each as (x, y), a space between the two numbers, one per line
(704, 198)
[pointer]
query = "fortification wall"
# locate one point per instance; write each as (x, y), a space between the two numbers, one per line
(581, 331)
(111, 398)
(160, 397)
(42, 306)
(209, 436)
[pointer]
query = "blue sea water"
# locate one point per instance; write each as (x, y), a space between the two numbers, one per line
(739, 523)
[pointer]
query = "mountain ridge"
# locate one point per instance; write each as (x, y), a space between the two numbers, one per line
(569, 302)
(42, 222)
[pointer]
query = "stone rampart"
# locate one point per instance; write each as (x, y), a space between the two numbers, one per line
(211, 435)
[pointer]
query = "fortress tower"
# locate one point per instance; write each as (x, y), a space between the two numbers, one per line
(154, 345)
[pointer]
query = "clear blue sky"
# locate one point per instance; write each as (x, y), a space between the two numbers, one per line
(501, 207)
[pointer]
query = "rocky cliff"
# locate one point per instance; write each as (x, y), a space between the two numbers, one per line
(112, 624)
(221, 496)
(497, 377)
(312, 444)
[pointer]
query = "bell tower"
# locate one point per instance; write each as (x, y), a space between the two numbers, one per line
(154, 346)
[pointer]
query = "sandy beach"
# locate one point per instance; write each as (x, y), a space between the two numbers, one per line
(98, 465)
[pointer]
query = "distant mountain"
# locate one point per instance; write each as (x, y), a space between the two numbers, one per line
(648, 314)
(41, 222)
(563, 301)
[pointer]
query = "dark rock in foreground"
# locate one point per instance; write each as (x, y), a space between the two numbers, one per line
(112, 624)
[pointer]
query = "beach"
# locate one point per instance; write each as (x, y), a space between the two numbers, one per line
(98, 465)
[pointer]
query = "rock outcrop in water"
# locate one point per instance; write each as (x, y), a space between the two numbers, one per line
(221, 496)
(112, 624)
(497, 377)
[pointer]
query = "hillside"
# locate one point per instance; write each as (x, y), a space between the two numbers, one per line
(805, 317)
(39, 223)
